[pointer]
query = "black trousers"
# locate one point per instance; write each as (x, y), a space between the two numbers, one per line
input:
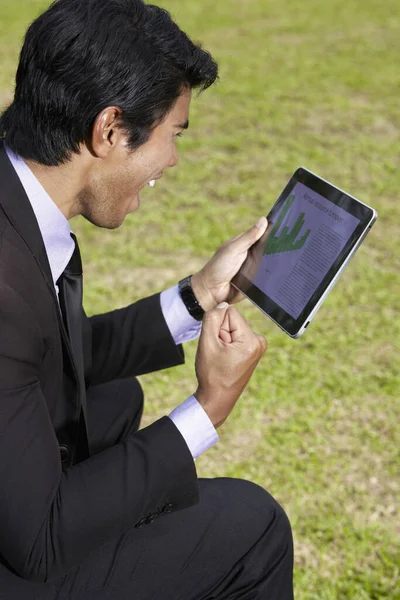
(235, 544)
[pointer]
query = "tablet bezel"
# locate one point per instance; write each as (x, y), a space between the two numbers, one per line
(363, 212)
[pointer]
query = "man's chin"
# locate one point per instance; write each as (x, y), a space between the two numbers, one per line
(105, 222)
(112, 221)
(134, 204)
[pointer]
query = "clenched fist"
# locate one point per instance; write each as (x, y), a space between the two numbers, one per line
(227, 354)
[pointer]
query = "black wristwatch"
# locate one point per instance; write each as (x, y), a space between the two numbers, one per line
(189, 299)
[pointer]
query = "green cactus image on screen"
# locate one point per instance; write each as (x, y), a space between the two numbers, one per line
(285, 242)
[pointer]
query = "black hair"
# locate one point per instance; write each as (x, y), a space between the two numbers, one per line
(81, 56)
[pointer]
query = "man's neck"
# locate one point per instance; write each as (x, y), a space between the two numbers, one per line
(62, 183)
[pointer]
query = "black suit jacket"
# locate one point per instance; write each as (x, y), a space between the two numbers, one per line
(54, 513)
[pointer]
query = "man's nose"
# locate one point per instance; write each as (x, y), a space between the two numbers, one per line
(174, 159)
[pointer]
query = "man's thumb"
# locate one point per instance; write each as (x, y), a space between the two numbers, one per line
(252, 235)
(222, 305)
(213, 319)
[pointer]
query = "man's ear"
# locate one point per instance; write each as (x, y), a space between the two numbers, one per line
(106, 133)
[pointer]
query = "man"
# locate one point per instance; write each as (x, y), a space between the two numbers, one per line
(90, 507)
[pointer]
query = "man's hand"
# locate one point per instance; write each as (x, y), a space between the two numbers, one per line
(212, 285)
(227, 354)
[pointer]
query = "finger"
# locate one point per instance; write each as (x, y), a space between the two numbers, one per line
(213, 319)
(225, 336)
(236, 237)
(252, 235)
(263, 343)
(262, 224)
(225, 331)
(238, 326)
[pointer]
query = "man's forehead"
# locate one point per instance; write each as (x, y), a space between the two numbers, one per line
(179, 115)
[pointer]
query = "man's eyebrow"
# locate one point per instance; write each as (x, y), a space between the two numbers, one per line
(184, 125)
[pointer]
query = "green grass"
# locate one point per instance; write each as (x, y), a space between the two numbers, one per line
(302, 83)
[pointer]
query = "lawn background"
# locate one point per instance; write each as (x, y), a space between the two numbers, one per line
(302, 83)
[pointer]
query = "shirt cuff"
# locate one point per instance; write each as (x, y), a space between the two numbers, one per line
(183, 327)
(195, 426)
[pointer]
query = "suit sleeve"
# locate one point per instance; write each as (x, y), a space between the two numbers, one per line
(51, 520)
(132, 341)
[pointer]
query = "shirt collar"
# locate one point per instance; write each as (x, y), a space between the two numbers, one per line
(53, 225)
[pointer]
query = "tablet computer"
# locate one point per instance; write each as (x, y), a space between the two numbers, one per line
(314, 228)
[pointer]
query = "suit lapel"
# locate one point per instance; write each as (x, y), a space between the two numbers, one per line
(18, 209)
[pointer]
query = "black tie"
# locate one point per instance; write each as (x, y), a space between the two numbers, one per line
(70, 296)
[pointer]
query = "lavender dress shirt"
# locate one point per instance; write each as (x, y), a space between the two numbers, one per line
(189, 417)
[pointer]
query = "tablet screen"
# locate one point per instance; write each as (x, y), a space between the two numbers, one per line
(306, 235)
(313, 229)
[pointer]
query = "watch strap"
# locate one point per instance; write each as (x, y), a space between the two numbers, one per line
(189, 299)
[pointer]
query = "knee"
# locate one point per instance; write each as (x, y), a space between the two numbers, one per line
(131, 388)
(262, 512)
(272, 555)
(270, 510)
(131, 394)
(123, 389)
(128, 391)
(128, 397)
